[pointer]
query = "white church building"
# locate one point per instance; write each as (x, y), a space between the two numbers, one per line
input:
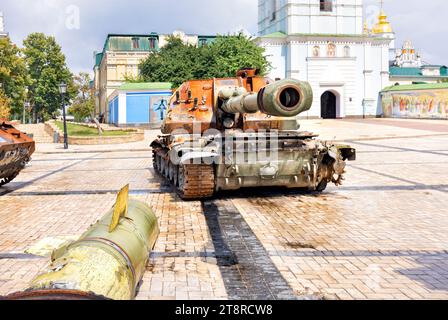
(326, 43)
(3, 33)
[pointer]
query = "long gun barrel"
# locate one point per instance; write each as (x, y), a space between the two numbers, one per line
(285, 98)
(107, 262)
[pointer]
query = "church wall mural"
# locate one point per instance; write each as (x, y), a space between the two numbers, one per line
(431, 104)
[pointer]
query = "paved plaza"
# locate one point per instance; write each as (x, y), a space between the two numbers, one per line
(382, 235)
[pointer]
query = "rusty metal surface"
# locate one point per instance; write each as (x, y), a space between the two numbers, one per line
(16, 149)
(101, 263)
(196, 106)
(214, 138)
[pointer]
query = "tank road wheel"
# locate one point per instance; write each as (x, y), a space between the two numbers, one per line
(158, 163)
(166, 168)
(162, 167)
(322, 186)
(175, 175)
(196, 181)
(180, 178)
(171, 168)
(155, 164)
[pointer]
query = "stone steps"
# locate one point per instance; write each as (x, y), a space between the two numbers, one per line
(38, 132)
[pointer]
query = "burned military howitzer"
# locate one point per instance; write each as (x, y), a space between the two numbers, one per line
(227, 134)
(107, 262)
(285, 98)
(16, 149)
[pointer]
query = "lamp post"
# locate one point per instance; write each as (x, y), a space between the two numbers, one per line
(63, 91)
(25, 105)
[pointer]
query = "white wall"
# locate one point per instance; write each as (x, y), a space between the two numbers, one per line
(356, 79)
(305, 17)
(277, 55)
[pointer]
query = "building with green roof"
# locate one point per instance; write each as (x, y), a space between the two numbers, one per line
(425, 73)
(120, 58)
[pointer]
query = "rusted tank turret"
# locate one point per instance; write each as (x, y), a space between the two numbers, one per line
(16, 149)
(226, 134)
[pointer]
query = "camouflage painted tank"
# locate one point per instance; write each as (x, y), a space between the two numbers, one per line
(16, 149)
(227, 134)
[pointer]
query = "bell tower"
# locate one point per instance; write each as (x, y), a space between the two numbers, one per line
(2, 26)
(328, 17)
(383, 29)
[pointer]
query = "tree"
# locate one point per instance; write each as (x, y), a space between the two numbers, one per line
(84, 103)
(5, 109)
(13, 76)
(47, 69)
(178, 62)
(228, 54)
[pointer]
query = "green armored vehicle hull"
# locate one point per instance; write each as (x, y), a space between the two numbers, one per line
(243, 134)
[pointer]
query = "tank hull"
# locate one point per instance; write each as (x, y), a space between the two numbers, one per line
(232, 133)
(285, 159)
(16, 149)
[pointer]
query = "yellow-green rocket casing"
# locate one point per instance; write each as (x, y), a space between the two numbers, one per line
(102, 263)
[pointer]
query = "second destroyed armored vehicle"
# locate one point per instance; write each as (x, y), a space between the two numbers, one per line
(227, 134)
(16, 149)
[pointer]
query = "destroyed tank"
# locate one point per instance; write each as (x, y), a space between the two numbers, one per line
(16, 149)
(232, 133)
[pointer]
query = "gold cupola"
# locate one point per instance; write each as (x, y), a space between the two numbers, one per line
(383, 26)
(366, 30)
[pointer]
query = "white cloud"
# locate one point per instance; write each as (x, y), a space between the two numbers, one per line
(424, 25)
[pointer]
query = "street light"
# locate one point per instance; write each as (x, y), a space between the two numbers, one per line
(25, 105)
(63, 91)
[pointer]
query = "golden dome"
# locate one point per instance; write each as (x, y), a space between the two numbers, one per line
(366, 28)
(383, 26)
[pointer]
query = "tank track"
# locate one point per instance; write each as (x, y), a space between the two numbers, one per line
(11, 171)
(192, 181)
(6, 180)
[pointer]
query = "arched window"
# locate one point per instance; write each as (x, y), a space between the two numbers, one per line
(326, 5)
(347, 51)
(331, 50)
(316, 51)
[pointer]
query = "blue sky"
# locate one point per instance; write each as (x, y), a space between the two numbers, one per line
(423, 22)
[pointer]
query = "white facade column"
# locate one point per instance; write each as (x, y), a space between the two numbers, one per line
(293, 69)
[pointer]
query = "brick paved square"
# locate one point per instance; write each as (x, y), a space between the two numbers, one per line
(382, 235)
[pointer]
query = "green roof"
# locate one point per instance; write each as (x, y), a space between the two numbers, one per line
(98, 59)
(423, 86)
(131, 42)
(398, 71)
(415, 72)
(275, 35)
(444, 71)
(284, 35)
(136, 43)
(146, 86)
